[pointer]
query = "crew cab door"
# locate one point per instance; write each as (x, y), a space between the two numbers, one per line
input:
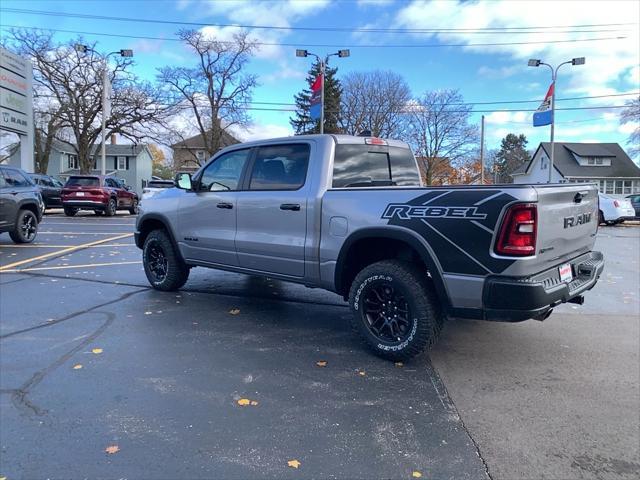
(272, 210)
(207, 220)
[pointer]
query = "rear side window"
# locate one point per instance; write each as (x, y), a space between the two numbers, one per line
(371, 165)
(83, 182)
(280, 167)
(14, 178)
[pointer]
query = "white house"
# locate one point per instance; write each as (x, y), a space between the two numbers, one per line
(606, 164)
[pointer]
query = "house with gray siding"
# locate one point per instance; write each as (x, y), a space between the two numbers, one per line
(133, 163)
(605, 164)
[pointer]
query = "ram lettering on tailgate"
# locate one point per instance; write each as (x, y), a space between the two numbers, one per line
(459, 236)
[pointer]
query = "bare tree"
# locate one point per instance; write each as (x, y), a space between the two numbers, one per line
(373, 101)
(213, 94)
(439, 132)
(631, 114)
(68, 96)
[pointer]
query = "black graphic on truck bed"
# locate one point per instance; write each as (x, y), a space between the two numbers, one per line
(461, 237)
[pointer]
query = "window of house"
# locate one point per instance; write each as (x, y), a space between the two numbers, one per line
(591, 161)
(619, 187)
(122, 163)
(94, 162)
(280, 167)
(543, 163)
(200, 155)
(627, 187)
(609, 186)
(72, 162)
(598, 161)
(601, 186)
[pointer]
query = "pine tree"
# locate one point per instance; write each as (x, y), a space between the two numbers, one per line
(513, 153)
(302, 123)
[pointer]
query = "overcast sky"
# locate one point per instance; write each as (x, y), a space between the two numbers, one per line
(605, 32)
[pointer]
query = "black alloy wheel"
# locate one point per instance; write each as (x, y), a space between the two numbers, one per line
(387, 312)
(156, 261)
(26, 227)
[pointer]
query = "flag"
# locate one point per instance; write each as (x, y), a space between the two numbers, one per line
(316, 99)
(544, 115)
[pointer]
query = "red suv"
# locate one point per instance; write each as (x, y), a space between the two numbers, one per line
(103, 195)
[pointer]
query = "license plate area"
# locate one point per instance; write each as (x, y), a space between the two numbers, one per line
(566, 273)
(79, 194)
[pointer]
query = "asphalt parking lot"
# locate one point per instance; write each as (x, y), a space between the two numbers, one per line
(92, 359)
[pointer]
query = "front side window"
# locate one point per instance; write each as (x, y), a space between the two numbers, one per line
(16, 179)
(224, 172)
(280, 167)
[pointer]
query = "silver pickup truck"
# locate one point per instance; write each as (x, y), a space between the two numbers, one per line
(350, 215)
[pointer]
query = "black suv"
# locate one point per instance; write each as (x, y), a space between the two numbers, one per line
(50, 189)
(21, 205)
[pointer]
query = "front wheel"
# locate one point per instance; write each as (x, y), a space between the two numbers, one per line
(134, 207)
(395, 309)
(163, 266)
(26, 227)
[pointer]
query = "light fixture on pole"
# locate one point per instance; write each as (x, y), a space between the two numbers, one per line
(534, 62)
(106, 96)
(323, 63)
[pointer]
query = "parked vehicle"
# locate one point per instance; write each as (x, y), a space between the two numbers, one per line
(50, 189)
(21, 205)
(635, 203)
(102, 194)
(349, 214)
(155, 186)
(614, 211)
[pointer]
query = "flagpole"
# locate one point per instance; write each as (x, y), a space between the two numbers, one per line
(322, 64)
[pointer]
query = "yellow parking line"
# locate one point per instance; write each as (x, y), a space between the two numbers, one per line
(62, 267)
(64, 250)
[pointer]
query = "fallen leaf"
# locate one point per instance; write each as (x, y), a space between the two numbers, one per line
(97, 351)
(243, 402)
(416, 474)
(148, 313)
(399, 364)
(321, 363)
(77, 367)
(254, 403)
(234, 311)
(293, 463)
(111, 449)
(361, 373)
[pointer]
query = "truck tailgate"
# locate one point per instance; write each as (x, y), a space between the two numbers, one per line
(567, 221)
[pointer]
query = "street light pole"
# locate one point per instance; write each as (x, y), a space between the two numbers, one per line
(554, 76)
(106, 110)
(323, 65)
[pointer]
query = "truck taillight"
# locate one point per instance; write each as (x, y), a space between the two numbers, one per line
(517, 236)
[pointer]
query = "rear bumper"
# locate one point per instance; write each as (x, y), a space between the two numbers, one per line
(516, 299)
(88, 204)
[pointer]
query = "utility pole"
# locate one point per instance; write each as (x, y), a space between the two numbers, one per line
(482, 151)
(323, 65)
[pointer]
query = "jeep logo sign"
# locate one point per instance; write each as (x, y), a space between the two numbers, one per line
(577, 220)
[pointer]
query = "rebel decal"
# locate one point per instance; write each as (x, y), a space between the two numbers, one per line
(459, 236)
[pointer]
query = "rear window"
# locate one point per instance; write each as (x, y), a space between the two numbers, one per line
(159, 184)
(372, 165)
(83, 182)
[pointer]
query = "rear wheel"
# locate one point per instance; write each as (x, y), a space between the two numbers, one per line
(395, 309)
(163, 266)
(134, 207)
(110, 211)
(26, 227)
(70, 211)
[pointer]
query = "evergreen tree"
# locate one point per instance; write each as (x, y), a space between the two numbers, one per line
(513, 153)
(302, 123)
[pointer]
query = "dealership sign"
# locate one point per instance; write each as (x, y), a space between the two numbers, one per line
(16, 109)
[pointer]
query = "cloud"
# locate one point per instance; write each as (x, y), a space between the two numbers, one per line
(259, 131)
(501, 72)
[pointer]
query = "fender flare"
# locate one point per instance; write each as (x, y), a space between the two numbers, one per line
(139, 237)
(402, 235)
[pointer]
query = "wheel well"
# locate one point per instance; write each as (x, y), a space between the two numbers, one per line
(30, 206)
(149, 225)
(366, 251)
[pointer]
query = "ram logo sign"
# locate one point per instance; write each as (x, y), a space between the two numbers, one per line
(409, 212)
(577, 220)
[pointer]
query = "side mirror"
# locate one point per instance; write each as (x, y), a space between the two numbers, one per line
(183, 181)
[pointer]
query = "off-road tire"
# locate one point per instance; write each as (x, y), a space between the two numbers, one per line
(111, 207)
(134, 208)
(177, 272)
(24, 229)
(70, 211)
(418, 291)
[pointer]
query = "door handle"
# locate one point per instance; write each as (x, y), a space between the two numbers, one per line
(290, 206)
(228, 206)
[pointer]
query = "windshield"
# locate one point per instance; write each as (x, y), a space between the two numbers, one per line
(83, 182)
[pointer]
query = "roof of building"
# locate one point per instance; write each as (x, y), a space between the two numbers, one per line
(124, 149)
(197, 141)
(566, 164)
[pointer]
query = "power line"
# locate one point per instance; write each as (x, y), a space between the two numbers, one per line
(325, 45)
(322, 29)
